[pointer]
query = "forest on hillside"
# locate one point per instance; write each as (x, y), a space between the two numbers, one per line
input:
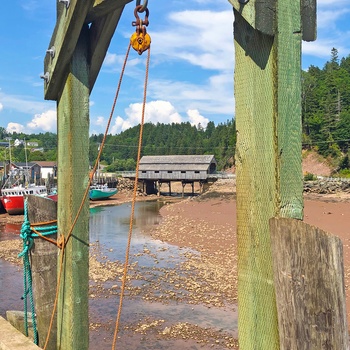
(325, 120)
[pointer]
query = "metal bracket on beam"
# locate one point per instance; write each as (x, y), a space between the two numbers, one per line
(45, 76)
(66, 2)
(51, 51)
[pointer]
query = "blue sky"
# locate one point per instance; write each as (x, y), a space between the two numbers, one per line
(191, 71)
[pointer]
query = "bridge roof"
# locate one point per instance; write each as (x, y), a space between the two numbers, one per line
(177, 162)
(178, 159)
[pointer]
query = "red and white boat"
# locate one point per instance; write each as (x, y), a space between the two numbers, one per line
(14, 192)
(13, 197)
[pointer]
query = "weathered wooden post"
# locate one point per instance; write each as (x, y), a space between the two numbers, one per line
(77, 49)
(267, 38)
(44, 267)
(310, 288)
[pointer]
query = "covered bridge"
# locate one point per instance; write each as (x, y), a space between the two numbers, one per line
(187, 169)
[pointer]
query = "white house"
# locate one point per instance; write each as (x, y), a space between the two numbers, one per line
(47, 169)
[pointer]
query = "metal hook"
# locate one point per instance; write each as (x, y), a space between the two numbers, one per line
(144, 5)
(138, 20)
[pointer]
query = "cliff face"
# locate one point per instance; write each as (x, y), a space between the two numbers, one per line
(315, 164)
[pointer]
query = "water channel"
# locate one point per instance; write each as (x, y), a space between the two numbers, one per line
(109, 227)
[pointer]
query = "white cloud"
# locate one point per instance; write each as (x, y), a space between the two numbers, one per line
(1, 106)
(24, 104)
(114, 62)
(322, 48)
(327, 19)
(214, 96)
(120, 125)
(14, 127)
(100, 121)
(195, 39)
(155, 111)
(195, 118)
(46, 121)
(110, 59)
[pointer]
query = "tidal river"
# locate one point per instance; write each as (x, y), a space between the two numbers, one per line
(151, 305)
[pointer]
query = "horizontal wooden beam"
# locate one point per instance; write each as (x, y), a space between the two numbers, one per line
(101, 32)
(260, 14)
(66, 33)
(64, 40)
(102, 8)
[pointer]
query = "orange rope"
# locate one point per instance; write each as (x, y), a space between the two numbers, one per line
(44, 237)
(44, 223)
(122, 291)
(62, 240)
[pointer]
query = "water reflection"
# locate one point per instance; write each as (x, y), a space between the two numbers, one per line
(11, 287)
(109, 227)
(9, 231)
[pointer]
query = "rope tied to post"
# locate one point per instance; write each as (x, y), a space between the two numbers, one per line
(28, 234)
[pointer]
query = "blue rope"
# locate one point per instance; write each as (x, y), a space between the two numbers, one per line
(27, 236)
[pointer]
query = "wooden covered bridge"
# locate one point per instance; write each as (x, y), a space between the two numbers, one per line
(187, 169)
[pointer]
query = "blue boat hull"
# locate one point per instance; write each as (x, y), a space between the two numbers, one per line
(99, 194)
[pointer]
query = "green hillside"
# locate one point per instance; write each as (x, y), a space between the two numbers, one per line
(325, 117)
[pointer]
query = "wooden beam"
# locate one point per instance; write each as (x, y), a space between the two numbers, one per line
(308, 20)
(101, 33)
(260, 14)
(104, 16)
(268, 160)
(64, 39)
(73, 178)
(309, 285)
(102, 8)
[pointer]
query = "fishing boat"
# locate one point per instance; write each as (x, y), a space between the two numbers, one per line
(2, 209)
(17, 187)
(13, 197)
(99, 192)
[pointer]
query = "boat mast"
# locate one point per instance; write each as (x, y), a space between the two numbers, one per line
(26, 173)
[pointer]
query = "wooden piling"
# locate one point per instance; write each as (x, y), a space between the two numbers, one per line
(43, 257)
(309, 285)
(267, 37)
(73, 178)
(81, 37)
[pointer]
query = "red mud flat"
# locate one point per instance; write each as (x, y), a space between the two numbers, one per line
(333, 217)
(218, 215)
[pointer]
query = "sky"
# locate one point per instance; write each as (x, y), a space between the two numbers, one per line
(191, 67)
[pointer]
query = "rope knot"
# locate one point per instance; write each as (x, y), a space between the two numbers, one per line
(26, 233)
